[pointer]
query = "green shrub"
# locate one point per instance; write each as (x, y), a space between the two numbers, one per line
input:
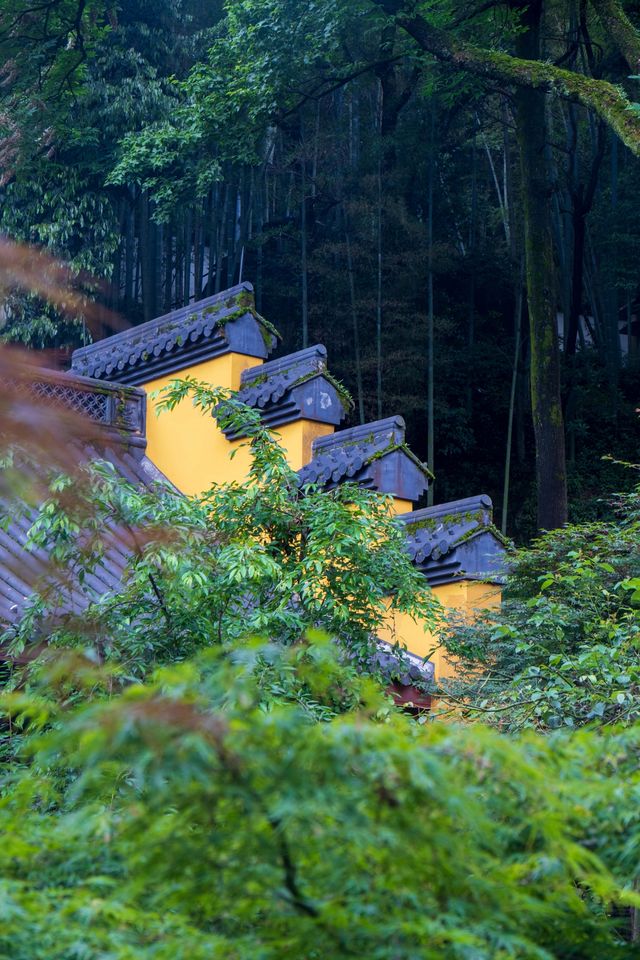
(181, 819)
(563, 649)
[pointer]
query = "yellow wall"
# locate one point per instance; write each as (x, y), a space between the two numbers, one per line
(297, 438)
(186, 444)
(401, 506)
(190, 449)
(467, 596)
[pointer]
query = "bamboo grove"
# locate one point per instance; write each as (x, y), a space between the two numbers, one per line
(434, 194)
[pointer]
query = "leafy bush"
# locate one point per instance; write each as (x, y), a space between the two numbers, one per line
(177, 790)
(563, 649)
(181, 819)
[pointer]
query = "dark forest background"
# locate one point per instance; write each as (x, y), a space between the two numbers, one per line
(371, 194)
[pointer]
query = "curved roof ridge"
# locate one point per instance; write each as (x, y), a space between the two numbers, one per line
(372, 454)
(456, 540)
(297, 386)
(314, 355)
(223, 323)
(481, 502)
(393, 428)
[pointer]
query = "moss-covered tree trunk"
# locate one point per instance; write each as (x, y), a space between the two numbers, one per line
(531, 113)
(533, 78)
(620, 30)
(608, 101)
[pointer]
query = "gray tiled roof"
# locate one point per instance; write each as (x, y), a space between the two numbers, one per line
(226, 322)
(293, 387)
(402, 666)
(22, 569)
(374, 455)
(456, 539)
(117, 436)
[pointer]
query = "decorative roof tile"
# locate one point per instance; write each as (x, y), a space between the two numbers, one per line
(456, 540)
(224, 323)
(118, 410)
(291, 388)
(374, 455)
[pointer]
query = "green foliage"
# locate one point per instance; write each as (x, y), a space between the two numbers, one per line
(179, 157)
(563, 649)
(59, 135)
(175, 787)
(44, 50)
(262, 558)
(181, 819)
(261, 65)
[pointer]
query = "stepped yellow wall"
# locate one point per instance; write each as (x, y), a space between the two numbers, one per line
(465, 596)
(186, 443)
(402, 506)
(297, 437)
(191, 450)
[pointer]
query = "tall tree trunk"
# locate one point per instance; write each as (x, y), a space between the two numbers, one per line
(137, 282)
(430, 312)
(212, 233)
(129, 256)
(316, 148)
(187, 258)
(243, 224)
(229, 243)
(198, 254)
(168, 268)
(304, 273)
(355, 323)
(612, 314)
(116, 278)
(240, 227)
(380, 104)
(179, 263)
(531, 125)
(147, 258)
(582, 197)
(159, 231)
(221, 237)
(504, 213)
(523, 402)
(517, 323)
(263, 207)
(471, 246)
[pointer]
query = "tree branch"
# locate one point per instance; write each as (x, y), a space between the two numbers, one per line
(327, 85)
(299, 901)
(606, 100)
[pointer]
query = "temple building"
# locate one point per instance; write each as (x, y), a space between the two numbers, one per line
(223, 341)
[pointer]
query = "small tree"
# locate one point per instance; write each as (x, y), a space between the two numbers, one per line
(263, 558)
(182, 819)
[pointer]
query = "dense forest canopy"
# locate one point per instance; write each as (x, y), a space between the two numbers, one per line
(434, 191)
